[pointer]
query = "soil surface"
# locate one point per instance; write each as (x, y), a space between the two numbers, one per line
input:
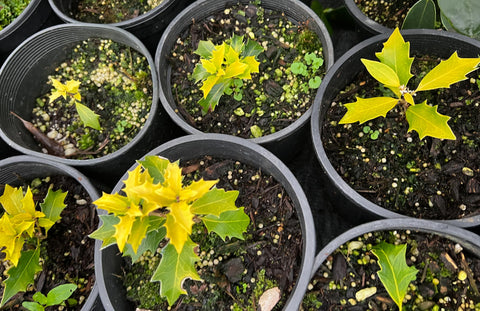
(236, 272)
(390, 14)
(274, 98)
(112, 11)
(68, 251)
(448, 276)
(382, 161)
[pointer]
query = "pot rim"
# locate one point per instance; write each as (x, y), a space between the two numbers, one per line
(136, 44)
(183, 16)
(273, 163)
(319, 111)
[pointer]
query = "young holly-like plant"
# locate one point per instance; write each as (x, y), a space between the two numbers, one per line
(223, 66)
(393, 71)
(394, 272)
(56, 296)
(70, 89)
(157, 205)
(21, 224)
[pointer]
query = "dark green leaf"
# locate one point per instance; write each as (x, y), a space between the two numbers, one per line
(463, 16)
(252, 48)
(421, 15)
(21, 276)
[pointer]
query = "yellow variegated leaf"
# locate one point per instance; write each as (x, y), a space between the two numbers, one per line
(27, 203)
(11, 200)
(113, 203)
(381, 72)
(396, 55)
(409, 98)
(136, 177)
(252, 67)
(427, 121)
(218, 55)
(11, 241)
(209, 66)
(208, 84)
(122, 230)
(231, 55)
(367, 109)
(138, 232)
(72, 87)
(235, 69)
(448, 72)
(179, 224)
(199, 189)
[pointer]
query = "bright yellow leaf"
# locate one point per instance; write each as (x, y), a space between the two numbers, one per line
(231, 55)
(235, 69)
(122, 230)
(11, 200)
(449, 71)
(200, 188)
(365, 109)
(209, 66)
(11, 242)
(218, 55)
(27, 202)
(179, 224)
(409, 98)
(68, 89)
(113, 203)
(252, 63)
(381, 72)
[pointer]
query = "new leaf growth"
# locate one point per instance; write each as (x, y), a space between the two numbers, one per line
(223, 65)
(393, 71)
(157, 205)
(19, 224)
(394, 272)
(70, 89)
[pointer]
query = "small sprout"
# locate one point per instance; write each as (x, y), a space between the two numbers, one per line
(256, 131)
(56, 296)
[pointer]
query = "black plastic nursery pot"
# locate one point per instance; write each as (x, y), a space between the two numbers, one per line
(148, 27)
(350, 203)
(27, 69)
(363, 20)
(18, 169)
(467, 240)
(283, 143)
(108, 267)
(26, 24)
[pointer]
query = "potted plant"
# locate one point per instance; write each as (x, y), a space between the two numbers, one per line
(401, 164)
(266, 102)
(144, 19)
(18, 20)
(435, 266)
(231, 269)
(380, 17)
(47, 211)
(84, 71)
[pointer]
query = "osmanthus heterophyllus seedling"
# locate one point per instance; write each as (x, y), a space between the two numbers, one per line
(393, 70)
(159, 205)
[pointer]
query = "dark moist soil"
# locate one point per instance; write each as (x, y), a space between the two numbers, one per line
(112, 11)
(68, 251)
(116, 84)
(438, 261)
(428, 178)
(264, 101)
(390, 14)
(236, 272)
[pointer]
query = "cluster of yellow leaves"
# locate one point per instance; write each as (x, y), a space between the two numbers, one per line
(18, 220)
(225, 64)
(144, 197)
(70, 88)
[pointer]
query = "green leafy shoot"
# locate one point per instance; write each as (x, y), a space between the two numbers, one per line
(70, 89)
(222, 66)
(157, 205)
(307, 66)
(19, 224)
(393, 71)
(394, 272)
(421, 15)
(56, 296)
